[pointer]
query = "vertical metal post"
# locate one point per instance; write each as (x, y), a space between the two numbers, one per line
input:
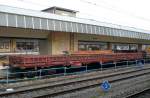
(115, 65)
(7, 73)
(64, 71)
(101, 66)
(86, 68)
(136, 61)
(40, 74)
(127, 63)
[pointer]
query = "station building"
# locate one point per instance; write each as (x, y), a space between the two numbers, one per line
(54, 30)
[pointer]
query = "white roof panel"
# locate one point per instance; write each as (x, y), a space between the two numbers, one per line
(34, 13)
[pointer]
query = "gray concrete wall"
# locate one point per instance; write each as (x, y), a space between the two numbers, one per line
(42, 47)
(45, 46)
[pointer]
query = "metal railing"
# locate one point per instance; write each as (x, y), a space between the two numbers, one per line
(53, 72)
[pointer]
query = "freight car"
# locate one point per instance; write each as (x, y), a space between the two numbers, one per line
(79, 58)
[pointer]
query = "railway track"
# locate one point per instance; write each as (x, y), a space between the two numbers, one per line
(67, 77)
(51, 90)
(134, 95)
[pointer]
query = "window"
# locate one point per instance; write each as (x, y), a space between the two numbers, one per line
(124, 47)
(82, 47)
(27, 46)
(4, 45)
(29, 22)
(133, 47)
(12, 20)
(92, 45)
(1, 45)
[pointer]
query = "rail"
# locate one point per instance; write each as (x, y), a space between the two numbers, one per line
(136, 94)
(39, 91)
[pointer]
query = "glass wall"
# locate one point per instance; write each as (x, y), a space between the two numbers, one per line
(85, 45)
(27, 45)
(18, 46)
(4, 45)
(119, 46)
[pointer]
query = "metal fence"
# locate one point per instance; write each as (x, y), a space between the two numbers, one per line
(12, 77)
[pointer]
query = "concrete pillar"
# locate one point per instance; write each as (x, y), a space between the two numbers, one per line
(76, 38)
(43, 47)
(60, 42)
(49, 43)
(71, 42)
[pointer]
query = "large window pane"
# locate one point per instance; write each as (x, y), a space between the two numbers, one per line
(20, 21)
(3, 19)
(26, 45)
(29, 22)
(12, 20)
(44, 23)
(4, 45)
(37, 23)
(92, 45)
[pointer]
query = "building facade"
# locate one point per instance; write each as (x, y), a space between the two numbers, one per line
(36, 32)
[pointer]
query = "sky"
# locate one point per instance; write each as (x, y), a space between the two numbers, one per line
(133, 13)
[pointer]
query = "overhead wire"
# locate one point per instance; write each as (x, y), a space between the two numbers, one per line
(103, 5)
(114, 8)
